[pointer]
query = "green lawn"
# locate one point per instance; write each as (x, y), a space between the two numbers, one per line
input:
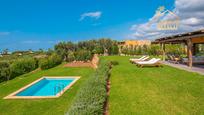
(41, 106)
(155, 91)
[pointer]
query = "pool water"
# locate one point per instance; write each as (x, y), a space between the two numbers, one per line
(46, 87)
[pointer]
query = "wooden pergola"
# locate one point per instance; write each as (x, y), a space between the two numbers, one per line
(190, 39)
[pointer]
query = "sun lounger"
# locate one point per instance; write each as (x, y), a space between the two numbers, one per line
(143, 59)
(152, 62)
(132, 59)
(136, 62)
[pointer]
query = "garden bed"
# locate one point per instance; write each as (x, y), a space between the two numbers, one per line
(92, 64)
(79, 64)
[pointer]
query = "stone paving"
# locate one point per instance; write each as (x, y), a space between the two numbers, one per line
(197, 68)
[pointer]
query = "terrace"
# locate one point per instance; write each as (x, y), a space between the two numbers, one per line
(191, 40)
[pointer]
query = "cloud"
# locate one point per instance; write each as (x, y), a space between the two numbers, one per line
(190, 12)
(95, 15)
(40, 42)
(31, 42)
(4, 33)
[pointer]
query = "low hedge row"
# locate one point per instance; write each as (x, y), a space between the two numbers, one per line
(22, 66)
(91, 97)
(4, 71)
(18, 67)
(50, 62)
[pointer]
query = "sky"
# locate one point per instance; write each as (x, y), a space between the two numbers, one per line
(34, 24)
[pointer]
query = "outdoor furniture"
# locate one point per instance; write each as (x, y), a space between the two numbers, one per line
(138, 59)
(196, 60)
(143, 59)
(136, 62)
(132, 59)
(174, 59)
(153, 62)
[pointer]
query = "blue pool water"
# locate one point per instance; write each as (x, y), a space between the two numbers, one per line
(46, 87)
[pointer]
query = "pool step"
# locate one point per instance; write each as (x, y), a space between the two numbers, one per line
(59, 88)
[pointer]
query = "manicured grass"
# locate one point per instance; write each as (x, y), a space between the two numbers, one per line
(155, 91)
(41, 106)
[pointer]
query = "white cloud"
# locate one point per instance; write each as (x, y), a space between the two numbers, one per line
(4, 33)
(190, 12)
(192, 21)
(40, 42)
(95, 15)
(31, 42)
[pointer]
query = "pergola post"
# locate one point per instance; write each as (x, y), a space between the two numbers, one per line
(194, 49)
(163, 52)
(190, 55)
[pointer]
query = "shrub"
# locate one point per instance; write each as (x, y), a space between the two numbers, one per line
(4, 71)
(22, 66)
(91, 97)
(114, 63)
(45, 64)
(50, 62)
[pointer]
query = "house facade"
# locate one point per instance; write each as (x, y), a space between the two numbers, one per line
(132, 44)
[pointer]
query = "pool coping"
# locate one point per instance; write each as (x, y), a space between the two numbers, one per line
(13, 95)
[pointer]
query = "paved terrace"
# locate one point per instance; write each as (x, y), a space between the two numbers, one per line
(197, 69)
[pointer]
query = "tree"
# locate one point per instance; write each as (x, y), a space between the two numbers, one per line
(41, 50)
(63, 48)
(50, 52)
(5, 52)
(106, 44)
(60, 48)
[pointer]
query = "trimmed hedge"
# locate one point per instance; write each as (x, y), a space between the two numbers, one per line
(22, 66)
(9, 70)
(91, 97)
(4, 71)
(50, 62)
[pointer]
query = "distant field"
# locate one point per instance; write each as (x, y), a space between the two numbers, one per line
(154, 91)
(41, 106)
(12, 57)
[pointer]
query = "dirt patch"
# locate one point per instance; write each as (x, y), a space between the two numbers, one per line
(106, 105)
(36, 70)
(92, 64)
(79, 64)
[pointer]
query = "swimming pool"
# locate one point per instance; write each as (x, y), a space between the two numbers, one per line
(45, 87)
